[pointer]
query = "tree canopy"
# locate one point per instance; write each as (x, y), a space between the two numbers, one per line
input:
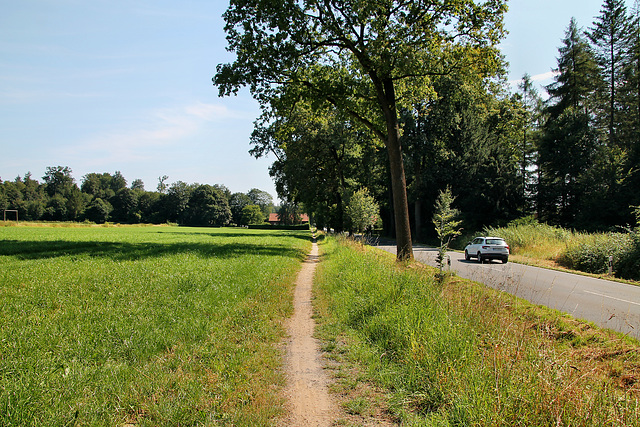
(365, 58)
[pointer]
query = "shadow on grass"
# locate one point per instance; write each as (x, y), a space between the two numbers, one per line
(303, 235)
(30, 250)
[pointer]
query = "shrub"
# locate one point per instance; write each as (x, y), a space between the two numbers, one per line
(628, 267)
(593, 256)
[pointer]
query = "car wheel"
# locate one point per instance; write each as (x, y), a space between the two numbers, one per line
(505, 260)
(480, 259)
(466, 256)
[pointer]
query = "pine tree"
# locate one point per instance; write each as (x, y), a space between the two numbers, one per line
(528, 157)
(630, 126)
(576, 76)
(568, 143)
(608, 36)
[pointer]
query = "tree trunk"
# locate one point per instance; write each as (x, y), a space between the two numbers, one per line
(417, 214)
(398, 180)
(400, 203)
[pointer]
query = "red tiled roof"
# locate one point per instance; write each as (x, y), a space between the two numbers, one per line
(273, 217)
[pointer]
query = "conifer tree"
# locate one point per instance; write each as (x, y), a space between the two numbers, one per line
(532, 105)
(568, 143)
(608, 36)
(576, 76)
(630, 132)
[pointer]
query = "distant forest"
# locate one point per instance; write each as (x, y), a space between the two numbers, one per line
(104, 197)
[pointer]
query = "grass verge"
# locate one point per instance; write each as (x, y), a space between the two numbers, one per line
(417, 353)
(143, 325)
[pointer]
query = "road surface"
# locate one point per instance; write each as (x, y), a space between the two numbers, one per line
(608, 304)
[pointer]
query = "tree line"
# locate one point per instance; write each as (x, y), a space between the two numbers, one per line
(340, 81)
(103, 197)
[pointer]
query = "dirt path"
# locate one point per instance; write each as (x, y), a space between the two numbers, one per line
(309, 400)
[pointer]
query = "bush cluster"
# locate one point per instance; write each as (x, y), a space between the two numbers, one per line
(628, 267)
(573, 249)
(593, 256)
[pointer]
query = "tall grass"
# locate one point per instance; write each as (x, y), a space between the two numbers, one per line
(143, 325)
(588, 252)
(460, 354)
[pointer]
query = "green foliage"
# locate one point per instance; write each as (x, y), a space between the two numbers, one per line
(105, 197)
(289, 213)
(98, 211)
(252, 214)
(261, 199)
(58, 180)
(145, 326)
(207, 207)
(628, 264)
(593, 256)
(321, 159)
(527, 233)
(446, 223)
(362, 211)
(237, 202)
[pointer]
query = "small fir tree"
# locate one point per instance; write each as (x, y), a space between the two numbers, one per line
(446, 223)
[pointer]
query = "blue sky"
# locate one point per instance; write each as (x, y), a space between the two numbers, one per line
(114, 85)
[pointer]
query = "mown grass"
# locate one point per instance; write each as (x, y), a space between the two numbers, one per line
(143, 325)
(418, 353)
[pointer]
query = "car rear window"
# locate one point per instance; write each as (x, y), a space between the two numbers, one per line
(495, 242)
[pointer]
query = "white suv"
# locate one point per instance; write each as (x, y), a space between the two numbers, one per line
(487, 248)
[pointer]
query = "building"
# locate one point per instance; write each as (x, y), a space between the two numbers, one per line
(274, 220)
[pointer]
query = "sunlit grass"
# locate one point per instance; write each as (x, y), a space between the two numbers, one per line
(462, 354)
(143, 325)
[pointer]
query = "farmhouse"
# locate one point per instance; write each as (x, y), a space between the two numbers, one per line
(275, 220)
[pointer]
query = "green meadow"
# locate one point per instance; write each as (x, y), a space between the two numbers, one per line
(144, 325)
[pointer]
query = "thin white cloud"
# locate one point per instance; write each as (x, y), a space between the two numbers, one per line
(536, 78)
(163, 130)
(544, 76)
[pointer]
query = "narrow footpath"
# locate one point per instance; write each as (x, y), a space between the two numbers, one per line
(307, 383)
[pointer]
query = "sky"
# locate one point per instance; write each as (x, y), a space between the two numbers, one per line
(125, 85)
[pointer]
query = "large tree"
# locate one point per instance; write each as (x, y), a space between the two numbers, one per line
(608, 36)
(568, 145)
(207, 207)
(630, 131)
(367, 58)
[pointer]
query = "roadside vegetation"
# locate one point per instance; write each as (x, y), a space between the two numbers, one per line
(540, 244)
(412, 351)
(143, 325)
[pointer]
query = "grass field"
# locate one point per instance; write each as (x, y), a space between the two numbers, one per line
(143, 325)
(459, 354)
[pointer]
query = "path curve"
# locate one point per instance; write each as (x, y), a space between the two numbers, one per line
(307, 382)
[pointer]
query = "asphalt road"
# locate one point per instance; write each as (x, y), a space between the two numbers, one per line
(608, 304)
